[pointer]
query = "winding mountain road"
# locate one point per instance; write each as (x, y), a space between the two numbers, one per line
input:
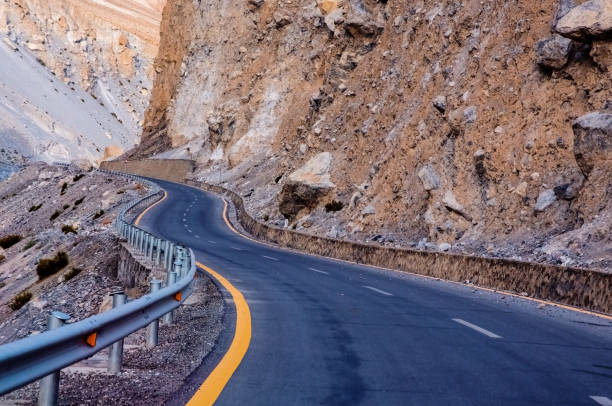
(333, 333)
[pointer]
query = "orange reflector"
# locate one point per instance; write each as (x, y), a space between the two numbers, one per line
(91, 339)
(178, 296)
(195, 275)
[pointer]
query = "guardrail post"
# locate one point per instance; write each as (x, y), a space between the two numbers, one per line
(150, 249)
(158, 252)
(178, 262)
(115, 354)
(168, 318)
(186, 264)
(166, 246)
(153, 327)
(49, 385)
(170, 257)
(143, 241)
(140, 240)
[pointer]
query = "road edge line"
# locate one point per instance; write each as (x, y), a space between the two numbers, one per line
(216, 381)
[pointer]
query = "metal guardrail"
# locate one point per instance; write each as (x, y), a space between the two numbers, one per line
(43, 355)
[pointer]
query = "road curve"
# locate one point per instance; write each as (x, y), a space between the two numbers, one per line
(325, 332)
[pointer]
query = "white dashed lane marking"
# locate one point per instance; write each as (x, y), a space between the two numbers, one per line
(236, 248)
(319, 271)
(212, 242)
(382, 292)
(602, 400)
(271, 258)
(475, 327)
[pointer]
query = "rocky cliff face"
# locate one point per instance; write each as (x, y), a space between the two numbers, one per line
(454, 124)
(104, 48)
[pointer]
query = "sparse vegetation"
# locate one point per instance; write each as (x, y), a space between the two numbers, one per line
(55, 215)
(50, 266)
(29, 245)
(64, 187)
(66, 206)
(120, 192)
(2, 257)
(334, 205)
(66, 228)
(78, 177)
(98, 214)
(266, 217)
(35, 207)
(72, 273)
(20, 300)
(79, 201)
(9, 240)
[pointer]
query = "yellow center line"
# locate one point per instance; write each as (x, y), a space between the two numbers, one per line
(149, 208)
(212, 387)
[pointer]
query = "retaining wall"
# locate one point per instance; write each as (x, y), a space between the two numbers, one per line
(588, 289)
(135, 270)
(174, 170)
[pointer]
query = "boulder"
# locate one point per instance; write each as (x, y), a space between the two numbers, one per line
(256, 3)
(470, 114)
(368, 210)
(444, 246)
(366, 26)
(306, 186)
(567, 191)
(440, 103)
(429, 177)
(553, 52)
(521, 189)
(281, 20)
(564, 7)
(450, 202)
(588, 21)
(592, 140)
(545, 199)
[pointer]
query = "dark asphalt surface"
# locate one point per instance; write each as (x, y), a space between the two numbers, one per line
(331, 333)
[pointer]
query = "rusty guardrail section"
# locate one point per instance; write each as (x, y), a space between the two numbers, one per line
(585, 288)
(43, 355)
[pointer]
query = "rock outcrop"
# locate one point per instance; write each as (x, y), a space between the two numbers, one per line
(590, 20)
(306, 186)
(412, 99)
(593, 141)
(553, 52)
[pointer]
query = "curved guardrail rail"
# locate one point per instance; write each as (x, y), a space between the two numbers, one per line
(31, 358)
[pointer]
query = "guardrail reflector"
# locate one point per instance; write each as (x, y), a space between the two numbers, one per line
(91, 339)
(178, 296)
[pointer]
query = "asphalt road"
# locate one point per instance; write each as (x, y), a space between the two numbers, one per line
(331, 333)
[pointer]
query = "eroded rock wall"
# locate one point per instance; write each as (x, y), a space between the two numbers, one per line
(481, 95)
